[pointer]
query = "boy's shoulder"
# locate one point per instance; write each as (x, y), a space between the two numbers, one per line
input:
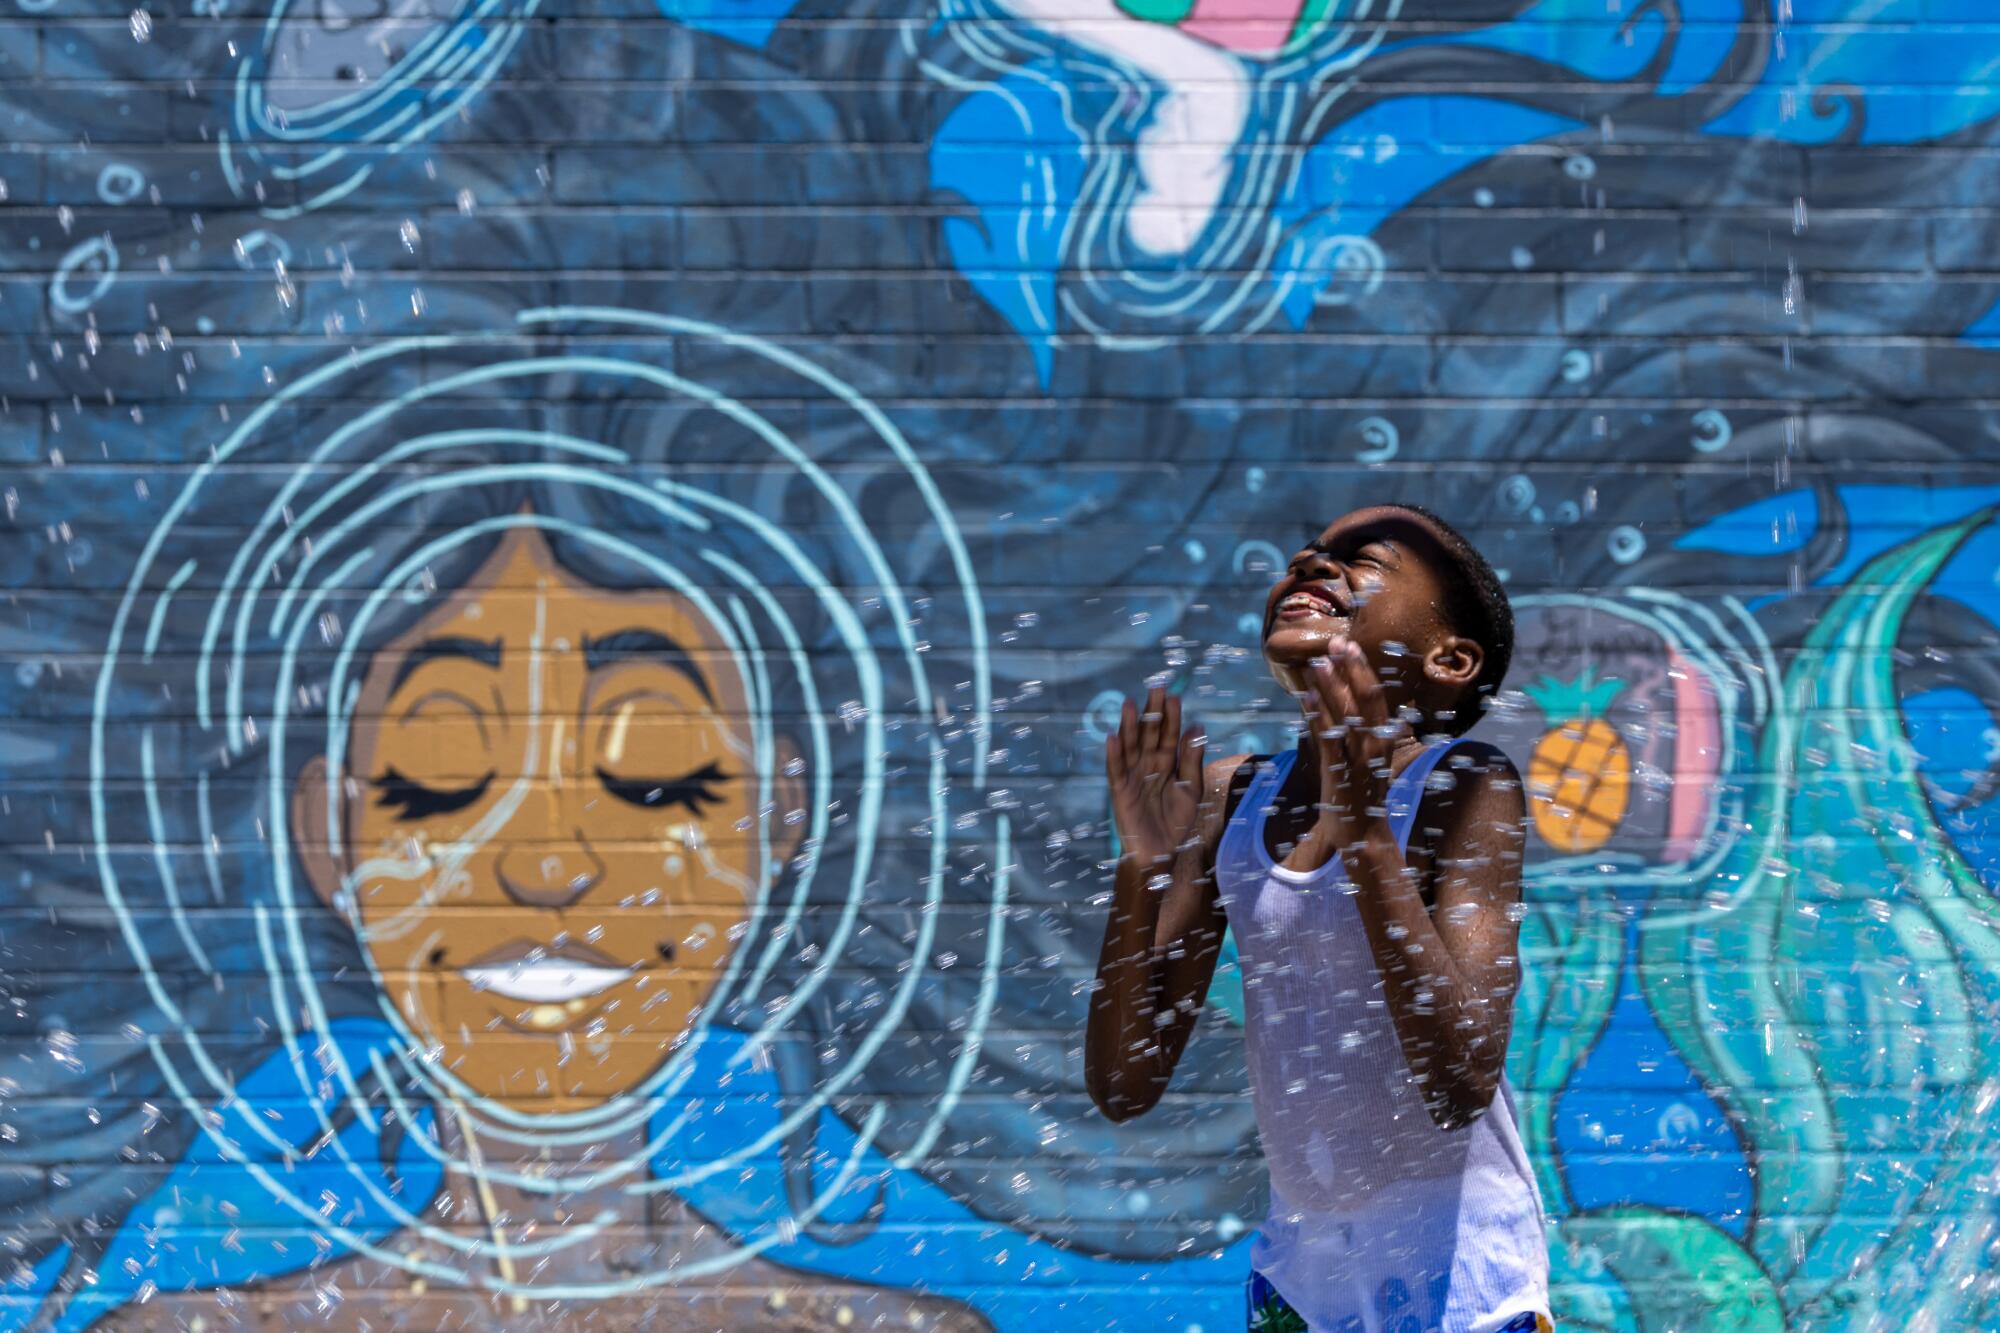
(1222, 770)
(1470, 754)
(1484, 789)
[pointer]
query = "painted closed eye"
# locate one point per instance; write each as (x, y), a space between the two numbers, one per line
(691, 791)
(413, 800)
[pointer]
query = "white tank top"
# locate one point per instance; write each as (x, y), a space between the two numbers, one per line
(1377, 1216)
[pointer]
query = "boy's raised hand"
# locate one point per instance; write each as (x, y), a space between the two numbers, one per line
(1154, 769)
(1357, 740)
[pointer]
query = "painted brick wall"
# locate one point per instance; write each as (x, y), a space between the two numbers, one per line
(567, 563)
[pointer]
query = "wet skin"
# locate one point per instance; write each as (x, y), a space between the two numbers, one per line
(1357, 630)
(549, 844)
(1377, 578)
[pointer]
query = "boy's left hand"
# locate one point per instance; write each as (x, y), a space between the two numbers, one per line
(1357, 741)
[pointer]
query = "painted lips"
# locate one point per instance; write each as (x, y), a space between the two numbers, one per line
(537, 975)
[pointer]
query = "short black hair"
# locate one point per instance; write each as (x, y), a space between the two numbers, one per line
(1478, 609)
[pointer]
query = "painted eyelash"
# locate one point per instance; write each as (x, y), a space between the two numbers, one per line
(690, 791)
(413, 800)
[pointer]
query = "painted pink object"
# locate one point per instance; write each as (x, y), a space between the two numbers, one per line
(1697, 756)
(1249, 27)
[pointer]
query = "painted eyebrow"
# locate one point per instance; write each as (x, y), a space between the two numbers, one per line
(647, 645)
(486, 652)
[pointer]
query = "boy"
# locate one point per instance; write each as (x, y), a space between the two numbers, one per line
(1373, 879)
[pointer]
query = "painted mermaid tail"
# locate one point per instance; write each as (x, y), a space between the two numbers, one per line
(1835, 990)
(1829, 977)
(1645, 1270)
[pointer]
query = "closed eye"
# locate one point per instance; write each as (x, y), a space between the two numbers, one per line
(413, 800)
(1376, 553)
(690, 791)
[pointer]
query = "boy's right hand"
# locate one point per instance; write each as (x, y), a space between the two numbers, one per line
(1155, 772)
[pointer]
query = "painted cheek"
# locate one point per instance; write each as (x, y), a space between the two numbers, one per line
(675, 865)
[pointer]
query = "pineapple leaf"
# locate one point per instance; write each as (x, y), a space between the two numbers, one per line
(1573, 700)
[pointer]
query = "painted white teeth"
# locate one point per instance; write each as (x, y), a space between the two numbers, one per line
(545, 981)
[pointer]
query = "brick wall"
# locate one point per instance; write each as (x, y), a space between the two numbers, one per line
(567, 564)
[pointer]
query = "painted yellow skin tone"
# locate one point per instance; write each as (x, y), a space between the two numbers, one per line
(542, 764)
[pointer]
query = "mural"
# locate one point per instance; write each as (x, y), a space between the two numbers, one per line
(568, 814)
(568, 570)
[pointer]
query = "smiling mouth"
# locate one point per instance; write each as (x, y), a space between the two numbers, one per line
(1306, 603)
(537, 975)
(550, 981)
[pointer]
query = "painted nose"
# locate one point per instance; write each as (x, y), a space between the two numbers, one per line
(545, 876)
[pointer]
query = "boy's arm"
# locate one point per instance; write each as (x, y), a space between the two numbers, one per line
(1449, 971)
(1165, 928)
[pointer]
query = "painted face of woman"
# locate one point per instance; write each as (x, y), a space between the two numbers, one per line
(550, 844)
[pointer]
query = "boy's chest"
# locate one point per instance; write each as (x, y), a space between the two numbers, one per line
(1291, 815)
(1278, 920)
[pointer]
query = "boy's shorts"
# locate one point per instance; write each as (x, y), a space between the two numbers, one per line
(1270, 1314)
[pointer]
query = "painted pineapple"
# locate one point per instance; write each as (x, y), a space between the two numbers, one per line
(1580, 776)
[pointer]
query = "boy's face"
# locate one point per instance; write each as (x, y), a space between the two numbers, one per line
(1376, 577)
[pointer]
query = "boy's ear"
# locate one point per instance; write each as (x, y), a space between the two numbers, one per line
(1454, 661)
(309, 834)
